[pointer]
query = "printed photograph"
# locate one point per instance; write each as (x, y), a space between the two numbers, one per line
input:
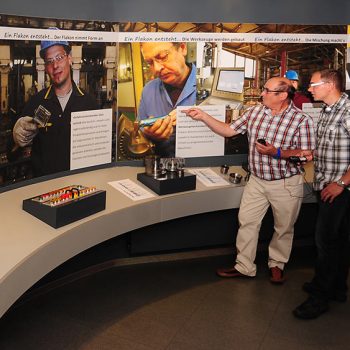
(44, 83)
(229, 73)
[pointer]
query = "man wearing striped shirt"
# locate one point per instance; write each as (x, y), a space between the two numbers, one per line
(331, 183)
(274, 181)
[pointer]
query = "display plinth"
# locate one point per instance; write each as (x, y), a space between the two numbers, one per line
(169, 183)
(66, 212)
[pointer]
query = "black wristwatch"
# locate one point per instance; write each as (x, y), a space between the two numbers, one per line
(341, 183)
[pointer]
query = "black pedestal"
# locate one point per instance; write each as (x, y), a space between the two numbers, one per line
(170, 183)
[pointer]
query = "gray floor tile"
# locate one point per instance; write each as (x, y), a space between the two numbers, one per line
(109, 341)
(234, 313)
(328, 331)
(44, 331)
(174, 306)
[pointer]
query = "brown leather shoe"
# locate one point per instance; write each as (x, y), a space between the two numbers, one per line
(276, 275)
(229, 272)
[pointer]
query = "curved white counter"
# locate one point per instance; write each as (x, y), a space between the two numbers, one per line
(29, 248)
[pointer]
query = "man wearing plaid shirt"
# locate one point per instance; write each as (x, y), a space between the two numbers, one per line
(331, 183)
(274, 180)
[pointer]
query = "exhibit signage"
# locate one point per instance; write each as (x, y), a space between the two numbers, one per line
(194, 138)
(130, 71)
(91, 138)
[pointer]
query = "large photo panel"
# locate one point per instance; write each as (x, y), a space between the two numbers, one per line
(137, 79)
(155, 78)
(58, 96)
(233, 61)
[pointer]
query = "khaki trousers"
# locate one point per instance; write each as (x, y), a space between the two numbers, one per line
(285, 198)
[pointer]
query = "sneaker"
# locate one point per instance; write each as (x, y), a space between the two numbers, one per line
(229, 272)
(311, 308)
(276, 275)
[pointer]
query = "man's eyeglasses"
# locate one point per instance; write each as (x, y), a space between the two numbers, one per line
(317, 84)
(267, 90)
(58, 58)
(161, 58)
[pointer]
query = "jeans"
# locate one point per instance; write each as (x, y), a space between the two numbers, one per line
(332, 242)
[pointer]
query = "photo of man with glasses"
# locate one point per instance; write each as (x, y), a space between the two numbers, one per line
(51, 143)
(174, 84)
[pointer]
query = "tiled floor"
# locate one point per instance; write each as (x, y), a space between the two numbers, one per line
(179, 305)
